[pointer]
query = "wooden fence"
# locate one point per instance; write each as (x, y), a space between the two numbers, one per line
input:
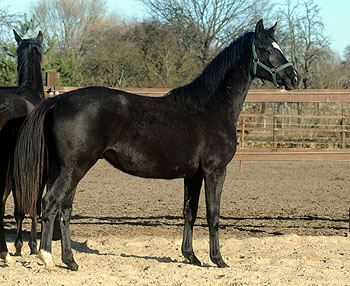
(255, 95)
(276, 96)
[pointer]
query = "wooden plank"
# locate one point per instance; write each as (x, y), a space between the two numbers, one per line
(270, 129)
(305, 116)
(291, 155)
(311, 96)
(320, 96)
(257, 95)
(270, 95)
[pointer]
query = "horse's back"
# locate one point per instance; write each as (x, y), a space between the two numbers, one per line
(11, 105)
(144, 136)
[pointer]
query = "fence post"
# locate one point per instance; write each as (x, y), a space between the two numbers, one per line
(343, 132)
(275, 130)
(242, 144)
(52, 79)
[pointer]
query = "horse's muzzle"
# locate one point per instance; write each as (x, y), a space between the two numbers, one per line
(296, 80)
(293, 81)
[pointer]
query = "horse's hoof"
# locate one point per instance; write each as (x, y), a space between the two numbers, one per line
(7, 258)
(33, 248)
(33, 251)
(222, 264)
(192, 259)
(46, 258)
(19, 248)
(73, 266)
(195, 261)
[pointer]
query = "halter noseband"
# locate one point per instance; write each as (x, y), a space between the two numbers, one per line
(272, 71)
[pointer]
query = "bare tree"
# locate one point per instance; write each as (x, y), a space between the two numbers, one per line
(347, 53)
(70, 22)
(344, 77)
(209, 24)
(304, 38)
(112, 60)
(6, 21)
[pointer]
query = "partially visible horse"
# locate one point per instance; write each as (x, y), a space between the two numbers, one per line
(15, 104)
(20, 101)
(188, 133)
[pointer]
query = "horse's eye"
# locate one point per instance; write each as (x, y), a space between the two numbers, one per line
(269, 51)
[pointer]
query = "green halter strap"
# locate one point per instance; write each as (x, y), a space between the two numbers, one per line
(272, 71)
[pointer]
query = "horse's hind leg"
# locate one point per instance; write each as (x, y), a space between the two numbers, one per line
(4, 253)
(4, 193)
(19, 241)
(192, 191)
(213, 188)
(64, 219)
(33, 244)
(56, 201)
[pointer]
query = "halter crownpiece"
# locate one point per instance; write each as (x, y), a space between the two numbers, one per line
(272, 71)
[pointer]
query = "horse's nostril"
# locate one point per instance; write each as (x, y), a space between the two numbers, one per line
(295, 81)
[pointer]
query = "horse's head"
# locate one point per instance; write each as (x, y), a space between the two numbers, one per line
(29, 45)
(269, 63)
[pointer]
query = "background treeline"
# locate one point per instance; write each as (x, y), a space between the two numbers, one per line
(88, 45)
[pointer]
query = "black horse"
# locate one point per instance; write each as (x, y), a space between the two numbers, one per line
(188, 133)
(15, 104)
(20, 101)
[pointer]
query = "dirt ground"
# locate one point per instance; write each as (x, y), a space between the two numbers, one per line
(276, 217)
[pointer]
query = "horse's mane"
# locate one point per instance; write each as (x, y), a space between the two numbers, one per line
(28, 65)
(202, 88)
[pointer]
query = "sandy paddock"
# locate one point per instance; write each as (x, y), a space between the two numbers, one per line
(282, 223)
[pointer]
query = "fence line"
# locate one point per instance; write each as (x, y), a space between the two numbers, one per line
(278, 96)
(276, 129)
(254, 95)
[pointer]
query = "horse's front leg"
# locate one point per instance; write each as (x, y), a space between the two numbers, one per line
(191, 197)
(213, 188)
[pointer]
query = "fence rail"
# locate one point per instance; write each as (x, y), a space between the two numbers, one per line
(278, 96)
(255, 95)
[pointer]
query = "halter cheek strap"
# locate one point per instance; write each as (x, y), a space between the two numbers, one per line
(272, 71)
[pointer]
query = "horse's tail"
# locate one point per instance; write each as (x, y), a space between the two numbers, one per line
(8, 135)
(30, 155)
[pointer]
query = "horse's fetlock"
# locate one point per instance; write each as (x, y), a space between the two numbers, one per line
(46, 258)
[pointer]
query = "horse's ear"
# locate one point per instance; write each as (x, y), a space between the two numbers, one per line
(17, 37)
(273, 29)
(39, 38)
(259, 28)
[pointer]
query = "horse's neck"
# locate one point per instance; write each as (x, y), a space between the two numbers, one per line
(30, 86)
(223, 85)
(30, 82)
(236, 89)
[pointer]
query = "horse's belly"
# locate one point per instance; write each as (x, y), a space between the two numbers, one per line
(152, 163)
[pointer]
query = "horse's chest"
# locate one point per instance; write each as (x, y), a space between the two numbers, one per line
(219, 147)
